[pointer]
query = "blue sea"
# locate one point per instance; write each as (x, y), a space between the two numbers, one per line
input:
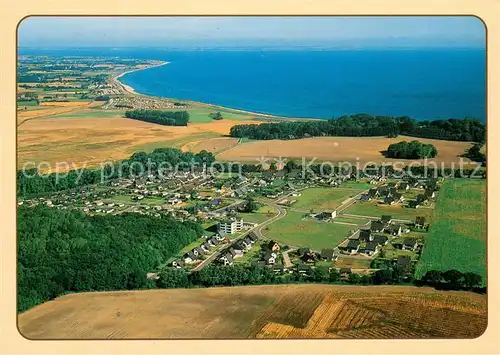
(422, 84)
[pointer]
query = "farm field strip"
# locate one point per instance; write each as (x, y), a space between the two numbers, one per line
(457, 237)
(318, 311)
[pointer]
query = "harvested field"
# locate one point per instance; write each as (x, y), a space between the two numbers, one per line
(76, 134)
(214, 145)
(337, 149)
(286, 311)
(45, 110)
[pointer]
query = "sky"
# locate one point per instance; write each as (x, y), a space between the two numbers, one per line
(347, 31)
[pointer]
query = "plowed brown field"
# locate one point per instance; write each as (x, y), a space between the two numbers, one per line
(287, 311)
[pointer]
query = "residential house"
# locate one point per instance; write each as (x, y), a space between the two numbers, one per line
(352, 246)
(413, 204)
(253, 237)
(199, 250)
(420, 222)
(371, 248)
(429, 193)
(409, 244)
(389, 200)
(273, 246)
(380, 239)
(377, 226)
(394, 229)
(309, 258)
(226, 259)
(269, 258)
(189, 257)
(177, 263)
(327, 255)
(235, 252)
(364, 235)
(206, 247)
(372, 193)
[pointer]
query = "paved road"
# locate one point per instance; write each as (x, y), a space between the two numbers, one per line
(257, 230)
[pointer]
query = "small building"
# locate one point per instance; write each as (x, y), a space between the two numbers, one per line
(273, 246)
(420, 222)
(377, 227)
(381, 239)
(370, 249)
(409, 244)
(269, 258)
(352, 246)
(230, 226)
(226, 259)
(304, 270)
(365, 235)
(327, 254)
(394, 229)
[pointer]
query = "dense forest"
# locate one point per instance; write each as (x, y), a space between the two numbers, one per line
(30, 182)
(67, 251)
(412, 150)
(166, 118)
(363, 125)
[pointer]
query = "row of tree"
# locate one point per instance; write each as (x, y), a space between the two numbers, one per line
(166, 118)
(31, 182)
(239, 275)
(411, 150)
(67, 251)
(471, 130)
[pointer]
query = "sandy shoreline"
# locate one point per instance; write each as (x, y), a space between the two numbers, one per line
(128, 88)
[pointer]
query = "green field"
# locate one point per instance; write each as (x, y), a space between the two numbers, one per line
(323, 198)
(259, 216)
(294, 231)
(457, 238)
(27, 103)
(202, 115)
(359, 221)
(374, 209)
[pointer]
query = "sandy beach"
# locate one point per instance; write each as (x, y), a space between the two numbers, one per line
(128, 88)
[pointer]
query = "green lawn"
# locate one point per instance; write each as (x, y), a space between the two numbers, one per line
(292, 230)
(259, 216)
(457, 238)
(359, 221)
(323, 198)
(374, 209)
(27, 103)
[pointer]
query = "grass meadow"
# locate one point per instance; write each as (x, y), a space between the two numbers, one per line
(457, 238)
(323, 198)
(295, 231)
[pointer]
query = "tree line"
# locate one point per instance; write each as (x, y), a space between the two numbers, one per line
(363, 125)
(411, 150)
(166, 118)
(62, 251)
(31, 182)
(241, 275)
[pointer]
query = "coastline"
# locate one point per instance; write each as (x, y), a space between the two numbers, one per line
(130, 90)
